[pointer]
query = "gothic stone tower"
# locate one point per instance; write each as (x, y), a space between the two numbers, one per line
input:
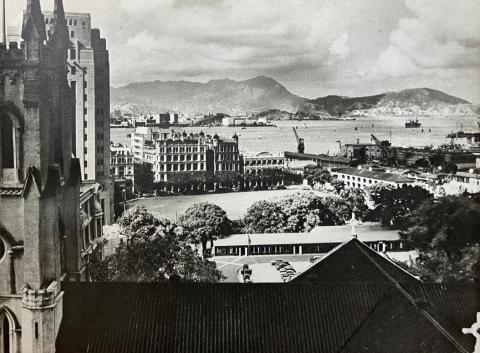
(39, 184)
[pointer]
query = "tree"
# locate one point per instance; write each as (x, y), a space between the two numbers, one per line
(446, 233)
(144, 178)
(264, 217)
(205, 222)
(337, 184)
(393, 205)
(317, 175)
(300, 212)
(155, 250)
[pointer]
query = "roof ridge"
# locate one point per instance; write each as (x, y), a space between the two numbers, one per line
(315, 263)
(426, 314)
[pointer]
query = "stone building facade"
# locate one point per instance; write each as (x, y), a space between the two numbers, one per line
(89, 78)
(179, 152)
(39, 184)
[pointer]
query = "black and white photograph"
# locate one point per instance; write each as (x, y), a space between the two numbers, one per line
(239, 176)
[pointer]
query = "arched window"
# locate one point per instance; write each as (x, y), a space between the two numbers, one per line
(7, 150)
(7, 331)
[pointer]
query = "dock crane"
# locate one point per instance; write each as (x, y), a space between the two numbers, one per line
(384, 146)
(300, 142)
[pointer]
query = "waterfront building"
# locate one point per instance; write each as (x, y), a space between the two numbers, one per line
(362, 152)
(89, 79)
(299, 161)
(178, 152)
(255, 163)
(365, 177)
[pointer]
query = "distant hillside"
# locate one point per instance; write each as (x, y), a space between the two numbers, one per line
(264, 94)
(226, 96)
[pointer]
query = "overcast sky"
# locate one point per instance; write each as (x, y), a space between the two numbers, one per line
(313, 47)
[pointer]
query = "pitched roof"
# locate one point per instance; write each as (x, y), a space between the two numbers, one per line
(353, 261)
(261, 318)
(373, 174)
(320, 235)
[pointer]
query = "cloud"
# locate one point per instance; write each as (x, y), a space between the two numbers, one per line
(440, 36)
(340, 47)
(313, 47)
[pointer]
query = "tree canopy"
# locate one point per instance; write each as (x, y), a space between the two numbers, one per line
(300, 212)
(446, 232)
(205, 222)
(154, 250)
(393, 205)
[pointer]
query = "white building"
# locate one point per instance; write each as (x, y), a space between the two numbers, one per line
(362, 177)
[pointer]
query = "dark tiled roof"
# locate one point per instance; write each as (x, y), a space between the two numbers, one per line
(395, 326)
(262, 318)
(223, 318)
(353, 262)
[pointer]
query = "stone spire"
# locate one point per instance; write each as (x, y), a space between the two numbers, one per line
(58, 11)
(33, 22)
(59, 30)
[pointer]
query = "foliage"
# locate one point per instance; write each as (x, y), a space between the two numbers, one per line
(337, 184)
(144, 178)
(155, 250)
(264, 217)
(436, 266)
(446, 224)
(317, 175)
(393, 205)
(355, 199)
(446, 233)
(205, 222)
(299, 212)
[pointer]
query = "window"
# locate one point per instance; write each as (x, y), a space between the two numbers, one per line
(7, 140)
(85, 84)
(85, 97)
(6, 344)
(75, 22)
(73, 70)
(72, 34)
(70, 22)
(73, 55)
(2, 249)
(85, 111)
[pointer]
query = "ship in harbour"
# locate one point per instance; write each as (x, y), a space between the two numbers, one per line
(412, 123)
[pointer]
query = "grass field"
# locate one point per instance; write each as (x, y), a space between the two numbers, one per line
(235, 203)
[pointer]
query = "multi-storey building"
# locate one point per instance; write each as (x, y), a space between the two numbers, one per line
(89, 78)
(122, 163)
(362, 152)
(255, 163)
(175, 152)
(366, 177)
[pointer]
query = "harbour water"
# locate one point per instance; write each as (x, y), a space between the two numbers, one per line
(323, 136)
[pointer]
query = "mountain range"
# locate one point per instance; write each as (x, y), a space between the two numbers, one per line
(264, 93)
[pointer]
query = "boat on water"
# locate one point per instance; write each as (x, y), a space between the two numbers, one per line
(412, 123)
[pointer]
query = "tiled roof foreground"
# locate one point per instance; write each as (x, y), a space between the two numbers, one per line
(266, 318)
